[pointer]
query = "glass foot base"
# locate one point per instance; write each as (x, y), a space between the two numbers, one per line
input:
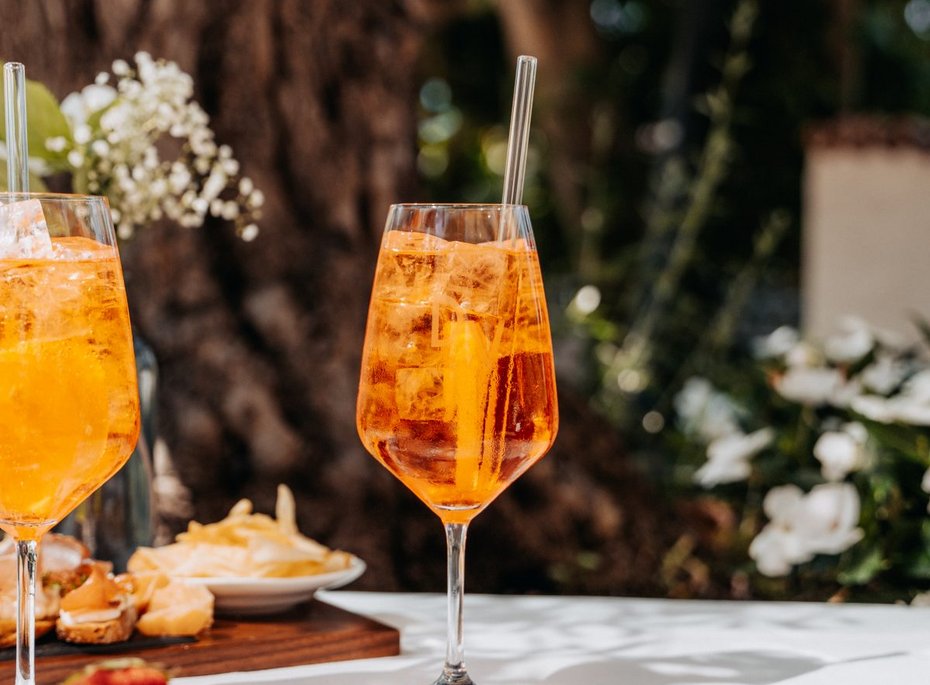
(450, 677)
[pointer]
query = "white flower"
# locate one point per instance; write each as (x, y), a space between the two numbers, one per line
(884, 374)
(813, 386)
(728, 457)
(911, 411)
(911, 406)
(918, 386)
(780, 545)
(705, 411)
(846, 393)
(874, 407)
(830, 515)
(121, 152)
(801, 526)
(841, 452)
(249, 233)
(78, 107)
(778, 343)
(804, 354)
(853, 342)
(56, 144)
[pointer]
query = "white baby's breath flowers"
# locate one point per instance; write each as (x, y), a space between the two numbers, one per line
(147, 146)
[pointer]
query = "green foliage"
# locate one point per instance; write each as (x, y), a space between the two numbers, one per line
(874, 398)
(690, 228)
(45, 121)
(36, 183)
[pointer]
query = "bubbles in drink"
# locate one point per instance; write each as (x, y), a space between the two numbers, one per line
(68, 400)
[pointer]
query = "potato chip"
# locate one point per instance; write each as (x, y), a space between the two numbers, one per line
(244, 544)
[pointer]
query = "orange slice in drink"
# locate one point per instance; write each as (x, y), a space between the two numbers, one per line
(467, 373)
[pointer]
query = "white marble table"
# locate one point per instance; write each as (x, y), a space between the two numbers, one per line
(595, 641)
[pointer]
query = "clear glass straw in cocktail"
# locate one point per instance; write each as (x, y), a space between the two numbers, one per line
(14, 97)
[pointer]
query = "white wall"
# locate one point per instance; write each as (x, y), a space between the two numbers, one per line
(866, 237)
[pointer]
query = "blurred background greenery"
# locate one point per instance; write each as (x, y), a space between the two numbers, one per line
(685, 171)
(665, 179)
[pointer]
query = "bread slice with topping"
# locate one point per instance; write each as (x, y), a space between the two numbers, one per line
(98, 612)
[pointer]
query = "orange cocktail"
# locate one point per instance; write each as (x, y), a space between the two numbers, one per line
(69, 414)
(457, 394)
(457, 391)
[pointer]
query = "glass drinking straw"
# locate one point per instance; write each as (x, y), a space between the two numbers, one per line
(515, 170)
(14, 98)
(518, 140)
(17, 169)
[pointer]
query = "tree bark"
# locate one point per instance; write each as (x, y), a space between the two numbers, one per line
(259, 343)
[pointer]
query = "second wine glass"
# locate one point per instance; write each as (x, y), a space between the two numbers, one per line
(69, 405)
(457, 393)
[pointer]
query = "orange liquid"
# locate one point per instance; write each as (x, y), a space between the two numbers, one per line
(69, 408)
(457, 393)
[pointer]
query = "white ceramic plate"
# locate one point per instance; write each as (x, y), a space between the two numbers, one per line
(254, 596)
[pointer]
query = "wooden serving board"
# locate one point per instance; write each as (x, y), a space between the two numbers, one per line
(312, 633)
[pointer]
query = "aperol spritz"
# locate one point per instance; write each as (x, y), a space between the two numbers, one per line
(457, 393)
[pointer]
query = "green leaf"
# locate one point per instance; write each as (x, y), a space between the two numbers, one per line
(903, 439)
(36, 184)
(44, 121)
(864, 564)
(918, 566)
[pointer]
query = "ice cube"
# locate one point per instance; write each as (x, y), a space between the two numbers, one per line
(418, 394)
(480, 278)
(23, 231)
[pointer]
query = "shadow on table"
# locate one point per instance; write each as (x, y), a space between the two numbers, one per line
(745, 668)
(750, 668)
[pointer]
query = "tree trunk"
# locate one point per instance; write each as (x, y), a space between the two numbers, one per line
(259, 343)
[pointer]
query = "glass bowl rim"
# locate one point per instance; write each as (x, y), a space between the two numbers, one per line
(481, 206)
(60, 197)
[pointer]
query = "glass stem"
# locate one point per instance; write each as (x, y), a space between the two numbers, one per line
(454, 669)
(26, 557)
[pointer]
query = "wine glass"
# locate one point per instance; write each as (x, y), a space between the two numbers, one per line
(69, 406)
(457, 392)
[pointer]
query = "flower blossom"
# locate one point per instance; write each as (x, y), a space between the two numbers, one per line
(854, 340)
(78, 107)
(911, 406)
(824, 521)
(705, 411)
(842, 452)
(778, 343)
(804, 354)
(811, 386)
(884, 374)
(728, 457)
(118, 150)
